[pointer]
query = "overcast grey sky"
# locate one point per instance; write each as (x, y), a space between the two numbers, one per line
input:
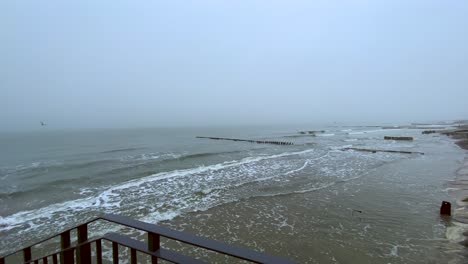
(165, 63)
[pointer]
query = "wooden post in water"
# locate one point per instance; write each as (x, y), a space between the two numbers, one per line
(446, 208)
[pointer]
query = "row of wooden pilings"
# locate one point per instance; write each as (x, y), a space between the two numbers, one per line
(252, 141)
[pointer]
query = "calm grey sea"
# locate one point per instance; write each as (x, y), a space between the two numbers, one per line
(310, 202)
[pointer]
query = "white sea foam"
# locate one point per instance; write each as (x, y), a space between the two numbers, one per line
(298, 169)
(32, 165)
(365, 132)
(394, 251)
(450, 189)
(151, 156)
(325, 135)
(109, 200)
(455, 231)
(157, 217)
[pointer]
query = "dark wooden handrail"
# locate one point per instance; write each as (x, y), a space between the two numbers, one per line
(54, 236)
(83, 246)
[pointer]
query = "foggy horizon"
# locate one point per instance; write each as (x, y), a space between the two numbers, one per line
(174, 64)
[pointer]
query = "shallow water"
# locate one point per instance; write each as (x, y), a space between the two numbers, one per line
(310, 202)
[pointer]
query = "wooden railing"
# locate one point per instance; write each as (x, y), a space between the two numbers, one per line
(81, 251)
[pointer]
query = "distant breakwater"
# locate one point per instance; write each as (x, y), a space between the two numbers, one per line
(251, 140)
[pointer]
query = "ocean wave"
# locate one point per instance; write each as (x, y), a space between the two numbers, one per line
(108, 200)
(160, 158)
(38, 167)
(208, 154)
(175, 156)
(120, 150)
(261, 179)
(298, 169)
(31, 166)
(50, 166)
(14, 194)
(325, 135)
(365, 132)
(151, 156)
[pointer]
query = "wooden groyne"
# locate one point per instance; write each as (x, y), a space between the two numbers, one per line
(251, 141)
(384, 150)
(398, 138)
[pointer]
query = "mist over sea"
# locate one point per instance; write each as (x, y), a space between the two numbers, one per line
(311, 202)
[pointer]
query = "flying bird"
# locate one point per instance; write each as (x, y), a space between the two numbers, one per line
(43, 124)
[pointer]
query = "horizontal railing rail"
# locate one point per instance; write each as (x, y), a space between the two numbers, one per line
(81, 251)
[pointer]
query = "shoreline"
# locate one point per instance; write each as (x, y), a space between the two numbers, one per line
(460, 134)
(460, 183)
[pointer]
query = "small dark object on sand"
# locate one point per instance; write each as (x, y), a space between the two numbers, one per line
(446, 208)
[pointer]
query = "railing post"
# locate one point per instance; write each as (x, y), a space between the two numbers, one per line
(45, 260)
(153, 245)
(98, 251)
(66, 257)
(27, 255)
(83, 252)
(115, 253)
(54, 259)
(133, 256)
(2, 261)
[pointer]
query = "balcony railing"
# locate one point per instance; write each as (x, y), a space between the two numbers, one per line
(80, 252)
